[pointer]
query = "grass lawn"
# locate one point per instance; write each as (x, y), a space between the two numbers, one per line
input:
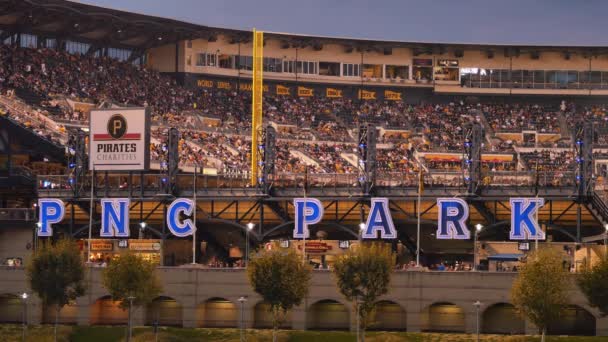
(10, 333)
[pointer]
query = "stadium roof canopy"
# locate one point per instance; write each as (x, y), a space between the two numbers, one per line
(109, 27)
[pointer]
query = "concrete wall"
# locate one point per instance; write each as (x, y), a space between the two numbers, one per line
(209, 297)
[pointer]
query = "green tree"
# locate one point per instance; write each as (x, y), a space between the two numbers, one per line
(539, 292)
(281, 278)
(56, 275)
(593, 282)
(132, 281)
(363, 274)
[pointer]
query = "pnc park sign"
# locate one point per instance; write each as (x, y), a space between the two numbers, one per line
(453, 214)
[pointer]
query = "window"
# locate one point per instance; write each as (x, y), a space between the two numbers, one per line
(50, 43)
(289, 66)
(76, 47)
(372, 70)
(304, 67)
(226, 61)
(245, 63)
(350, 70)
(206, 59)
(119, 54)
(29, 41)
(397, 71)
(273, 64)
(329, 68)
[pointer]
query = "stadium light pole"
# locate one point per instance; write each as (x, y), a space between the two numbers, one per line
(194, 216)
(91, 210)
(478, 227)
(477, 305)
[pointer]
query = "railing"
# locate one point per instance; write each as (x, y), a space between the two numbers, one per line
(17, 214)
(136, 182)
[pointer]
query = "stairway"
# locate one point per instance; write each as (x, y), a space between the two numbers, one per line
(598, 208)
(35, 100)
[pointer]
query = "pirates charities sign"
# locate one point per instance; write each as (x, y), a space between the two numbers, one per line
(453, 214)
(119, 139)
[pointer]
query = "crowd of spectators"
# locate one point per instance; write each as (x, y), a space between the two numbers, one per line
(518, 117)
(313, 132)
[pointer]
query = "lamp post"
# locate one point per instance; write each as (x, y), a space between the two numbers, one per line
(477, 305)
(250, 226)
(242, 300)
(361, 229)
(142, 227)
(38, 226)
(478, 227)
(129, 334)
(24, 300)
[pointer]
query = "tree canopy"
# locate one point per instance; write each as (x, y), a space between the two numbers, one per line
(539, 292)
(593, 282)
(131, 276)
(56, 274)
(363, 274)
(281, 278)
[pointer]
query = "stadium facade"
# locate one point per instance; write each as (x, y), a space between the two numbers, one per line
(307, 72)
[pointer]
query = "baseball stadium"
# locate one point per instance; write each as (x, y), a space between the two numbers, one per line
(317, 144)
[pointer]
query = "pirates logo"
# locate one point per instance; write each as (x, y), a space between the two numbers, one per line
(117, 126)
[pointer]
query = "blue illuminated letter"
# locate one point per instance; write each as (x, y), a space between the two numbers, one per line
(51, 211)
(523, 222)
(308, 211)
(453, 214)
(115, 217)
(379, 219)
(177, 227)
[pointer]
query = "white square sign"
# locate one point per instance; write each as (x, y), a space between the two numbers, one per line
(119, 139)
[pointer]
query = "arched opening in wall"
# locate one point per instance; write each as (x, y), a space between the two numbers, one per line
(442, 317)
(11, 309)
(262, 317)
(67, 315)
(327, 315)
(573, 321)
(165, 311)
(105, 311)
(501, 318)
(388, 316)
(217, 313)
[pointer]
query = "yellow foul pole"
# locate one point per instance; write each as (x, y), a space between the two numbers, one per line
(256, 102)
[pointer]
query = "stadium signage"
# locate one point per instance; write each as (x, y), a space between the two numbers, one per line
(367, 94)
(283, 90)
(392, 95)
(119, 139)
(305, 92)
(453, 214)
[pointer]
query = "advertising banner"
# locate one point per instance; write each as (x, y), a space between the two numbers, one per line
(119, 139)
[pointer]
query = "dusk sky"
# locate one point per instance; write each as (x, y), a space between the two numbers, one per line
(543, 22)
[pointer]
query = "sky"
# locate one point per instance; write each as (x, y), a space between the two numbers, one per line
(526, 22)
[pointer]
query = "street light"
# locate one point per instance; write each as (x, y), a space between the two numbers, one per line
(477, 305)
(250, 226)
(361, 229)
(24, 299)
(142, 227)
(242, 300)
(478, 227)
(129, 335)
